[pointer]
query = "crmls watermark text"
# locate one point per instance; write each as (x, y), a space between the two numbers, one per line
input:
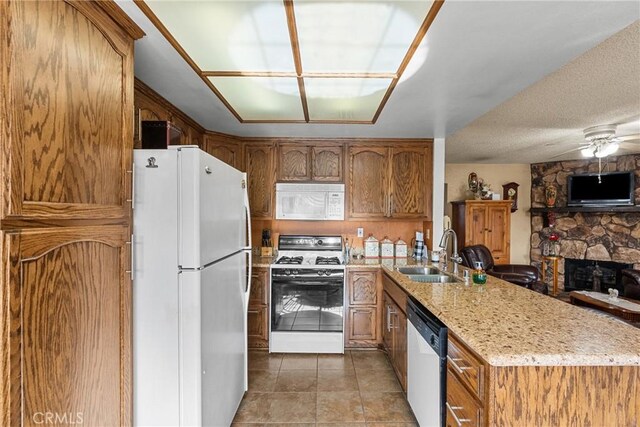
(68, 418)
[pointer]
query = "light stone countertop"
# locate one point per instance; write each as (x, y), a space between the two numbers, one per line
(508, 325)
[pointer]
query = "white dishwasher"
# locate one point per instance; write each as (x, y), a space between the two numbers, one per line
(426, 365)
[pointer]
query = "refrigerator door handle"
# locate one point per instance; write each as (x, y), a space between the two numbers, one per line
(249, 249)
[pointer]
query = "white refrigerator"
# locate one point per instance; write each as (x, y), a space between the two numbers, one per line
(191, 277)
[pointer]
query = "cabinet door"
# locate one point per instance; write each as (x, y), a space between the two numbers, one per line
(368, 182)
(363, 287)
(498, 230)
(400, 347)
(228, 153)
(294, 162)
(258, 327)
(387, 327)
(461, 405)
(66, 111)
(408, 191)
(259, 164)
(327, 164)
(476, 225)
(69, 326)
(259, 286)
(362, 324)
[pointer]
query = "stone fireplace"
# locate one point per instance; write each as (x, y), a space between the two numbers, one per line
(592, 235)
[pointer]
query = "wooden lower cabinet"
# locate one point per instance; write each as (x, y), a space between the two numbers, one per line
(258, 312)
(394, 334)
(364, 292)
(66, 310)
(462, 408)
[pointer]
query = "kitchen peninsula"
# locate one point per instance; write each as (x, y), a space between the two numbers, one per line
(528, 359)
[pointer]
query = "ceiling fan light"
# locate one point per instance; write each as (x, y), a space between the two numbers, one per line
(587, 152)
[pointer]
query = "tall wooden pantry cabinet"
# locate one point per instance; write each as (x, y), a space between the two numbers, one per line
(484, 222)
(66, 123)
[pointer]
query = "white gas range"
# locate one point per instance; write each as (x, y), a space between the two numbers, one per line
(307, 296)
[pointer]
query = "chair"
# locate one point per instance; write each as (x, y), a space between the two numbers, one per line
(518, 274)
(631, 283)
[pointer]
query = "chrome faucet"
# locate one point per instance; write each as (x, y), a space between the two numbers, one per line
(444, 241)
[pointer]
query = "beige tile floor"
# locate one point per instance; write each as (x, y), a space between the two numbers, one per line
(358, 388)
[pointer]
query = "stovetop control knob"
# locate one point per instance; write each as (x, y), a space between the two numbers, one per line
(287, 272)
(327, 273)
(295, 272)
(320, 272)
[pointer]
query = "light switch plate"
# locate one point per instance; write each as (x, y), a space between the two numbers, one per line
(360, 232)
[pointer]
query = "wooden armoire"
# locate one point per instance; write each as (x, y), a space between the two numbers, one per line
(484, 222)
(66, 137)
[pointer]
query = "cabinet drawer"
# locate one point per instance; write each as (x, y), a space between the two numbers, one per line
(468, 367)
(462, 409)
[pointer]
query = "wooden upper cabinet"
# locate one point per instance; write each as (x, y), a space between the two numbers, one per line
(390, 181)
(408, 183)
(294, 162)
(227, 151)
(319, 162)
(69, 327)
(368, 182)
(327, 163)
(259, 162)
(66, 112)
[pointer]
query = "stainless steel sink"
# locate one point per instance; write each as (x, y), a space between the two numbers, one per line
(418, 270)
(433, 278)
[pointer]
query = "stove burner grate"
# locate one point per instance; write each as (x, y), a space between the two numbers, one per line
(327, 260)
(290, 260)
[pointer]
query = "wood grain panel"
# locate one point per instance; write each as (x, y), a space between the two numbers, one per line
(258, 327)
(363, 287)
(294, 162)
(70, 73)
(567, 395)
(407, 183)
(69, 325)
(259, 287)
(260, 174)
(368, 182)
(362, 324)
(327, 163)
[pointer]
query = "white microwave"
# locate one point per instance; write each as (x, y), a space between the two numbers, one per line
(310, 201)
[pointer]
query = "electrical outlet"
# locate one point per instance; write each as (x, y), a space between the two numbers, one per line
(360, 232)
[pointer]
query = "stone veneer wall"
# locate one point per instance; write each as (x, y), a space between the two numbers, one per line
(592, 236)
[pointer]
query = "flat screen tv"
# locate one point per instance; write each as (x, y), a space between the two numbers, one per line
(606, 189)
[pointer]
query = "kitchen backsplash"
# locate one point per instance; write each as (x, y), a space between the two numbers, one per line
(392, 229)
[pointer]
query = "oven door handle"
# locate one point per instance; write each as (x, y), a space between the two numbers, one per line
(314, 282)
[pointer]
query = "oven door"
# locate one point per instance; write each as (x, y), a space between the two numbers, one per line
(307, 304)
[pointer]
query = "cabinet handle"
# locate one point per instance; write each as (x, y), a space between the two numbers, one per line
(133, 186)
(389, 320)
(453, 409)
(253, 311)
(458, 368)
(132, 260)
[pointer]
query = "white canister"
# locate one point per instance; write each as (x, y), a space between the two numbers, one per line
(371, 247)
(386, 248)
(401, 248)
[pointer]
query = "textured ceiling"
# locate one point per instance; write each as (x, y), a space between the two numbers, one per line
(480, 54)
(546, 119)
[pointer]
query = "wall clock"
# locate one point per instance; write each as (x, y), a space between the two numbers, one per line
(510, 192)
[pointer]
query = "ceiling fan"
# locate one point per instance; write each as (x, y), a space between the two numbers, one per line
(602, 141)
